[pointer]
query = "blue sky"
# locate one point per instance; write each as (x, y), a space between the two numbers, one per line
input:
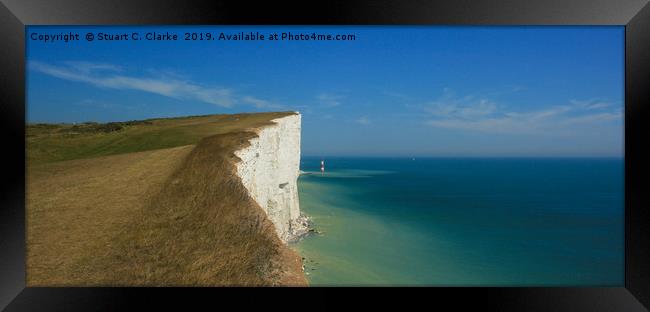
(394, 91)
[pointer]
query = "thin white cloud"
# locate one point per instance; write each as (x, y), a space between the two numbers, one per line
(600, 117)
(108, 76)
(591, 104)
(482, 115)
(329, 100)
(87, 67)
(397, 95)
(516, 88)
(363, 121)
(260, 103)
(449, 105)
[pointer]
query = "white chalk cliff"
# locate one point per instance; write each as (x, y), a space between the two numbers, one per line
(269, 170)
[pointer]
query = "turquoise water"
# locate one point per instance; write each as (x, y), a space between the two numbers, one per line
(491, 222)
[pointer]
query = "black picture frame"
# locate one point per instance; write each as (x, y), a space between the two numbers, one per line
(635, 15)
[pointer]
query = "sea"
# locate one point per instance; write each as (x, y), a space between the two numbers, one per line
(463, 221)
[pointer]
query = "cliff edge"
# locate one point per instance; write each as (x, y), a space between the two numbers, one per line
(269, 168)
(188, 201)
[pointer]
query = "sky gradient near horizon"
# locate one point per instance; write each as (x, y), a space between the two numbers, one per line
(394, 91)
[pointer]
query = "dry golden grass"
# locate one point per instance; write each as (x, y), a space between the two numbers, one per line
(167, 217)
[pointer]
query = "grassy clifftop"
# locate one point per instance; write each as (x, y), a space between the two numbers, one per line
(155, 202)
(56, 142)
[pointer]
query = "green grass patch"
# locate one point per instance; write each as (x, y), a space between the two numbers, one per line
(57, 142)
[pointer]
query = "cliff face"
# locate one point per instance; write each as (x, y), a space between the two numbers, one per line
(269, 170)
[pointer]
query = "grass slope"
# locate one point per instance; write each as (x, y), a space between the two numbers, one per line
(149, 203)
(57, 142)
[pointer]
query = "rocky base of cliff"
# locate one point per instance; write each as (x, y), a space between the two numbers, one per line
(300, 227)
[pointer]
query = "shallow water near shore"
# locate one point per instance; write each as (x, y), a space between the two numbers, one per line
(473, 221)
